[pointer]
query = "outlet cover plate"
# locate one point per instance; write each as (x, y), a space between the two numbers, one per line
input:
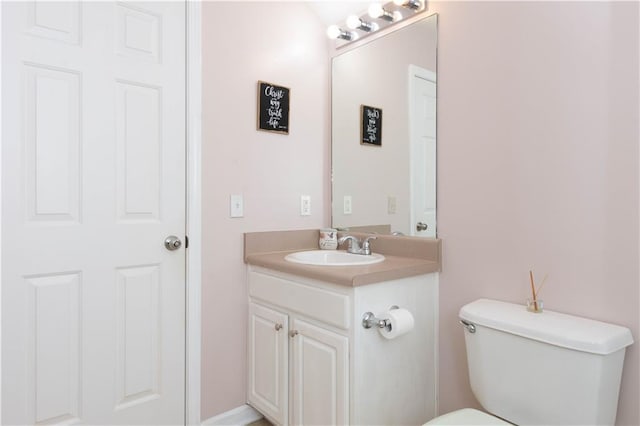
(305, 205)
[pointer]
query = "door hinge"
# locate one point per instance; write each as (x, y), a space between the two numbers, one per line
(186, 241)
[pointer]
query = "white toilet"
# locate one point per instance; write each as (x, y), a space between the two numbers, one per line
(539, 368)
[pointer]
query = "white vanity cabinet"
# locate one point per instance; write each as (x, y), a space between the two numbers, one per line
(315, 359)
(298, 364)
(311, 361)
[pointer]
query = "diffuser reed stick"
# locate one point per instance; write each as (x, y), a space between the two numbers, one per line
(533, 291)
(541, 285)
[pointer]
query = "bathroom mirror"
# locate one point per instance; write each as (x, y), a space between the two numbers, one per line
(392, 181)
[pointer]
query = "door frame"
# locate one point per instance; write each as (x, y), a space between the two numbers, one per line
(193, 205)
(193, 278)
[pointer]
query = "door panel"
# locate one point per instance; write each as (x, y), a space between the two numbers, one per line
(320, 373)
(52, 143)
(138, 335)
(268, 362)
(53, 317)
(138, 122)
(93, 164)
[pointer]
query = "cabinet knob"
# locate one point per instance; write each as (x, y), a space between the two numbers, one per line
(278, 327)
(293, 333)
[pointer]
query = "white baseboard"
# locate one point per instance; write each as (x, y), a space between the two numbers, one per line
(239, 416)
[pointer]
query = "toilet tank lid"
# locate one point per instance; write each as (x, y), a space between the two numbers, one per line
(558, 329)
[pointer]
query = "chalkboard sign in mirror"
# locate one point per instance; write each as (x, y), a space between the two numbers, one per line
(273, 108)
(371, 125)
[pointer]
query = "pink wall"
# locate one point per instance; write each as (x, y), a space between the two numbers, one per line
(538, 167)
(282, 43)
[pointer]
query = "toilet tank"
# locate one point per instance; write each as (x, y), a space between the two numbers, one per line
(543, 368)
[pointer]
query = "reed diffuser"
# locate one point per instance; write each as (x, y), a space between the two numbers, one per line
(535, 304)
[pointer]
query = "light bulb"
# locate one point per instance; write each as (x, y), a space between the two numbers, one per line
(376, 10)
(333, 32)
(353, 22)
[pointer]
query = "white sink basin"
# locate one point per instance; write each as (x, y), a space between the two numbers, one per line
(333, 258)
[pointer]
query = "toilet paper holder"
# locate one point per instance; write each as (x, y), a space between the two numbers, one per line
(369, 320)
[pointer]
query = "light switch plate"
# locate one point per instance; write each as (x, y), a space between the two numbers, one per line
(347, 204)
(305, 205)
(236, 206)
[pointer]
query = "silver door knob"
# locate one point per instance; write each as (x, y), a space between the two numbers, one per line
(172, 242)
(421, 226)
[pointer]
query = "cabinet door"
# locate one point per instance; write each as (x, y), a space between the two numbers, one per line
(320, 376)
(268, 362)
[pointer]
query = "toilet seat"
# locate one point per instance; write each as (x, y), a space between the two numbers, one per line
(467, 416)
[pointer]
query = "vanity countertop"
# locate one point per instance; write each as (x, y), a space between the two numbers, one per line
(404, 257)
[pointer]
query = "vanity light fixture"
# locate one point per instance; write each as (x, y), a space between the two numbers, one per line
(409, 4)
(334, 32)
(376, 11)
(387, 14)
(355, 23)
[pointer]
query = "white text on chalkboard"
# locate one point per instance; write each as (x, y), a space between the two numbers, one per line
(273, 108)
(371, 125)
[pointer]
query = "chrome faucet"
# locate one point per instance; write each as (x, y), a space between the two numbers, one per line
(354, 244)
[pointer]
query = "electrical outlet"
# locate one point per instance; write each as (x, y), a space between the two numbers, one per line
(347, 204)
(305, 205)
(236, 206)
(391, 204)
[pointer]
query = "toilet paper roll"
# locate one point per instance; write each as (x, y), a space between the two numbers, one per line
(401, 322)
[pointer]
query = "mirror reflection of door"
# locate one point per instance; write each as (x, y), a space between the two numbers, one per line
(422, 122)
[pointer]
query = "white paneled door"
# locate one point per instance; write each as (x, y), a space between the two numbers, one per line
(422, 124)
(93, 181)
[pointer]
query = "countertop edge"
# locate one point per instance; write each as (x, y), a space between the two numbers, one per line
(393, 267)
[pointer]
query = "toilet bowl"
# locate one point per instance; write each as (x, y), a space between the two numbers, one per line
(521, 364)
(466, 416)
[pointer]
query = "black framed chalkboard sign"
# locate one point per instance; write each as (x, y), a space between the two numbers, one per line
(370, 126)
(273, 108)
